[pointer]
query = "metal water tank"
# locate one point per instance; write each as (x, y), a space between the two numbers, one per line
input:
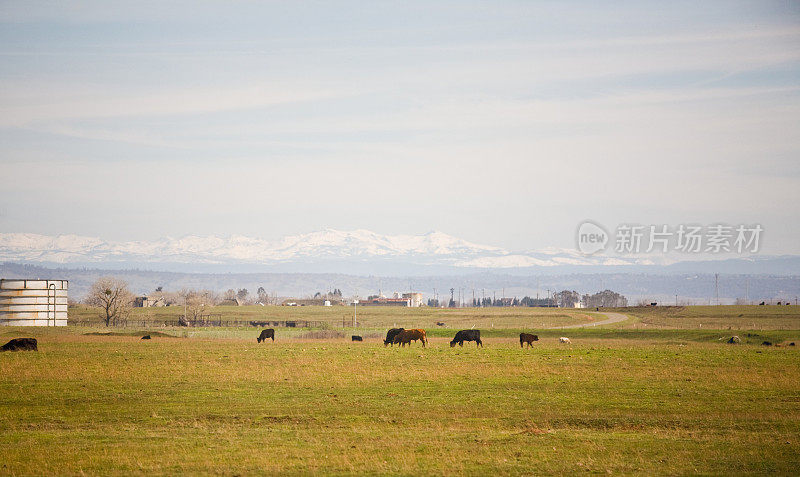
(25, 302)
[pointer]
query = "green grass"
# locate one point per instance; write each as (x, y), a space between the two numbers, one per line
(619, 401)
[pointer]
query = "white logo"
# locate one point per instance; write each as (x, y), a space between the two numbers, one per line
(591, 238)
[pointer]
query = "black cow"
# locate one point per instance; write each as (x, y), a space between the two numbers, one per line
(268, 333)
(467, 335)
(527, 338)
(21, 344)
(356, 338)
(390, 336)
(146, 337)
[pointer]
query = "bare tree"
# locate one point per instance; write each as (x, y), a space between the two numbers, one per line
(113, 296)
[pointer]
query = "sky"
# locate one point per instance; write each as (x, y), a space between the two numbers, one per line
(505, 123)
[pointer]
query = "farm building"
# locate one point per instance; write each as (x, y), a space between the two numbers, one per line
(26, 302)
(144, 302)
(416, 299)
(383, 301)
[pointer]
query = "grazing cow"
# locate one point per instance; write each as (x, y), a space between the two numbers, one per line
(467, 335)
(21, 344)
(146, 337)
(734, 340)
(390, 336)
(407, 336)
(564, 340)
(440, 323)
(527, 338)
(356, 338)
(761, 304)
(268, 333)
(766, 343)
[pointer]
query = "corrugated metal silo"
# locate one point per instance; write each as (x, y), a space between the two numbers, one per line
(26, 302)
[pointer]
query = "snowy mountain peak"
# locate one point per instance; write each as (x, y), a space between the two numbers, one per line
(431, 248)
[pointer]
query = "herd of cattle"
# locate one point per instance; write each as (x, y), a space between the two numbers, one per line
(399, 336)
(402, 337)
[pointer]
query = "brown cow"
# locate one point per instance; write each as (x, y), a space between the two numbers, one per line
(527, 338)
(407, 336)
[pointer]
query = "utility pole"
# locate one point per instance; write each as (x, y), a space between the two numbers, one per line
(355, 313)
(716, 286)
(676, 300)
(452, 298)
(747, 291)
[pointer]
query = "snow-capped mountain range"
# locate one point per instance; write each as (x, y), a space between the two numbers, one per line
(433, 248)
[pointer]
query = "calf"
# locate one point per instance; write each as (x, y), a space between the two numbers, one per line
(390, 336)
(467, 335)
(564, 340)
(527, 338)
(268, 333)
(21, 344)
(356, 338)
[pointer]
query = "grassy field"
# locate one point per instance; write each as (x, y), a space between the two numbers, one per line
(715, 317)
(212, 401)
(374, 318)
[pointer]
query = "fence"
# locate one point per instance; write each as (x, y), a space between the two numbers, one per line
(205, 321)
